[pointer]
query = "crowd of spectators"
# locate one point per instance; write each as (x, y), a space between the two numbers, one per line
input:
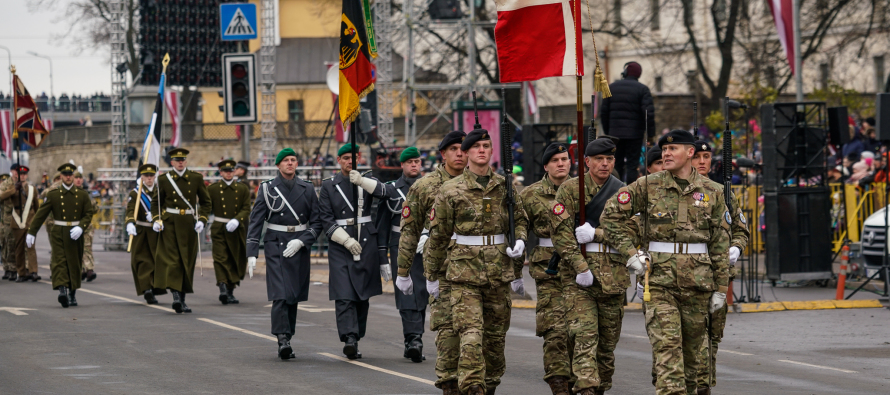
(97, 102)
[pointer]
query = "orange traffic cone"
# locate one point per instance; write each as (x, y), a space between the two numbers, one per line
(842, 274)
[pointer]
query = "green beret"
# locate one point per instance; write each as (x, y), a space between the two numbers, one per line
(408, 154)
(283, 154)
(345, 149)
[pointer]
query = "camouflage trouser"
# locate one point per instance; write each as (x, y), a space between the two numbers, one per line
(88, 261)
(481, 318)
(594, 327)
(7, 242)
(675, 322)
(447, 340)
(718, 323)
(550, 320)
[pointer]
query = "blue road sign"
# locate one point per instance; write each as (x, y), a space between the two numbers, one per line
(237, 21)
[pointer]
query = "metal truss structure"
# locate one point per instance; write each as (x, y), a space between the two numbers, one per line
(116, 238)
(268, 125)
(385, 26)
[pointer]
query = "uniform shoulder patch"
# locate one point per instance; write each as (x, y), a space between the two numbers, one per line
(432, 213)
(406, 212)
(558, 209)
(727, 217)
(742, 218)
(624, 197)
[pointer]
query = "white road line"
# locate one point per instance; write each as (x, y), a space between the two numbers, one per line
(120, 298)
(372, 367)
(635, 336)
(235, 328)
(818, 366)
(734, 352)
(722, 351)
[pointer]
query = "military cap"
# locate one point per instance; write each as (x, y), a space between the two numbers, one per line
(78, 174)
(4, 176)
(553, 149)
(455, 137)
(473, 137)
(653, 155)
(148, 169)
(57, 176)
(20, 168)
(284, 154)
(346, 148)
(179, 153)
(226, 165)
(600, 146)
(242, 164)
(701, 145)
(676, 136)
(408, 154)
(67, 169)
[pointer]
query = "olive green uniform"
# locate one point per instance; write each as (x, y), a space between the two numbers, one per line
(49, 220)
(88, 262)
(69, 208)
(16, 253)
(229, 201)
(145, 243)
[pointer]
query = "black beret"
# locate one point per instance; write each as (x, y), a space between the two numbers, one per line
(600, 146)
(455, 137)
(653, 155)
(701, 145)
(553, 149)
(473, 137)
(676, 136)
(242, 164)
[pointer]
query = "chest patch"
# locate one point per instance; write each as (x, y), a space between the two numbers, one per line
(558, 209)
(624, 197)
(406, 212)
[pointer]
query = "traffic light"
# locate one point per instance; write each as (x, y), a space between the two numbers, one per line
(239, 88)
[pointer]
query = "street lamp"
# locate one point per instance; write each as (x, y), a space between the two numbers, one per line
(52, 96)
(11, 92)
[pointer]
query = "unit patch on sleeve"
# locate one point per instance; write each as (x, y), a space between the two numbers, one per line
(624, 197)
(558, 209)
(406, 212)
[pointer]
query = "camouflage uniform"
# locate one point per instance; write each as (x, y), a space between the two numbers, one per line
(88, 262)
(594, 313)
(7, 241)
(479, 275)
(550, 311)
(682, 214)
(23, 260)
(415, 221)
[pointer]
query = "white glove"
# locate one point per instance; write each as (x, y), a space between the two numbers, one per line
(518, 286)
(76, 232)
(365, 183)
(585, 233)
(421, 243)
(405, 284)
(734, 254)
(718, 299)
(385, 272)
(147, 217)
(637, 263)
(251, 264)
(157, 227)
(517, 250)
(131, 229)
(232, 225)
(29, 240)
(341, 237)
(433, 288)
(199, 226)
(640, 291)
(292, 247)
(584, 279)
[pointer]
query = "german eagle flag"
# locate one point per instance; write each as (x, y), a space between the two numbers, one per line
(356, 77)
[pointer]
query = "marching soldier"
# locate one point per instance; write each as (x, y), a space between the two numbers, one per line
(481, 267)
(415, 232)
(412, 308)
(73, 211)
(288, 207)
(538, 199)
(56, 183)
(654, 163)
(230, 202)
(184, 206)
(8, 250)
(682, 216)
(145, 240)
(241, 170)
(88, 262)
(21, 199)
(352, 282)
(707, 379)
(595, 287)
(8, 268)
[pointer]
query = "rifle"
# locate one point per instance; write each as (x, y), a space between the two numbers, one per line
(645, 242)
(695, 119)
(507, 160)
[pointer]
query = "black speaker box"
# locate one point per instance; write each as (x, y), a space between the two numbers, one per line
(882, 112)
(445, 9)
(838, 126)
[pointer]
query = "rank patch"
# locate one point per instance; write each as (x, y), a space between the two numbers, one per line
(558, 209)
(432, 214)
(624, 197)
(406, 212)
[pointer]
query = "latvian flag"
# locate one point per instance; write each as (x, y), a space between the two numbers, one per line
(538, 39)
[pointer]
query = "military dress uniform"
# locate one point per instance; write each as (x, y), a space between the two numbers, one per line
(230, 202)
(49, 220)
(178, 247)
(72, 210)
(89, 263)
(19, 209)
(145, 240)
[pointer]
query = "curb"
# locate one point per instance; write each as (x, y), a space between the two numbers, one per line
(807, 305)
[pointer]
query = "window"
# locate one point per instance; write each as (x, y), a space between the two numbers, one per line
(295, 110)
(616, 15)
(659, 84)
(879, 73)
(688, 12)
(655, 14)
(824, 75)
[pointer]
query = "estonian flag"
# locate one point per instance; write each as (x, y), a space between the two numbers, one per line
(151, 148)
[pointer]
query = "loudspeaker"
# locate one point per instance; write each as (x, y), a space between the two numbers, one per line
(798, 241)
(445, 9)
(882, 112)
(838, 126)
(794, 143)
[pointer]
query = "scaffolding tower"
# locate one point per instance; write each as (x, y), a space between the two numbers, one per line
(116, 238)
(268, 124)
(385, 26)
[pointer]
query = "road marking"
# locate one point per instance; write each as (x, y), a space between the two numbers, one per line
(735, 352)
(235, 328)
(169, 310)
(372, 367)
(309, 308)
(818, 366)
(635, 336)
(15, 310)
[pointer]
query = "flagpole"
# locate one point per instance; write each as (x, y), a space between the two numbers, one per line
(798, 73)
(15, 135)
(582, 144)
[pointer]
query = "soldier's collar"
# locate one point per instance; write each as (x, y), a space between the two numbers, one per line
(68, 187)
(229, 182)
(180, 173)
(549, 187)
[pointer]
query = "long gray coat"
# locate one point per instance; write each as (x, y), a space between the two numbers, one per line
(389, 214)
(286, 278)
(350, 280)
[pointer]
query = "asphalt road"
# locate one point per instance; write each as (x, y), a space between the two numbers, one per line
(113, 343)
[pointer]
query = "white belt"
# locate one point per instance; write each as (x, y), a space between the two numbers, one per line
(221, 219)
(480, 240)
(425, 231)
(542, 242)
(678, 248)
(62, 223)
(143, 223)
(346, 222)
(397, 229)
(180, 211)
(286, 228)
(599, 247)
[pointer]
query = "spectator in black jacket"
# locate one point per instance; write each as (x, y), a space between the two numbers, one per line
(624, 115)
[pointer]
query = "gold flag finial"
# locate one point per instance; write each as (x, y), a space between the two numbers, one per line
(12, 69)
(165, 62)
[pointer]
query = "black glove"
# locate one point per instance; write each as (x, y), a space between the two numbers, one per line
(18, 186)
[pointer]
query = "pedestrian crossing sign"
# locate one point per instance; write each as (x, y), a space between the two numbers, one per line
(237, 21)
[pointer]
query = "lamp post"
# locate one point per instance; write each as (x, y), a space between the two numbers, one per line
(11, 92)
(52, 96)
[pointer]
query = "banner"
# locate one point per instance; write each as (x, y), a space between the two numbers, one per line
(356, 78)
(538, 39)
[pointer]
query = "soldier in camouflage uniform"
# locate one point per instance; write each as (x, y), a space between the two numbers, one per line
(8, 265)
(20, 202)
(472, 208)
(415, 232)
(595, 286)
(707, 378)
(537, 200)
(683, 213)
(88, 262)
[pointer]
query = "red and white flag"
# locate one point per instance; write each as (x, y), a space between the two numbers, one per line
(172, 102)
(783, 17)
(538, 39)
(532, 99)
(6, 133)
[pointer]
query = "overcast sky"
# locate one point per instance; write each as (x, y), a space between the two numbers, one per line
(22, 31)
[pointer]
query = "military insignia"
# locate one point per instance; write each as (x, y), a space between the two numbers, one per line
(742, 218)
(488, 207)
(349, 35)
(614, 149)
(660, 214)
(561, 148)
(624, 197)
(704, 147)
(670, 139)
(727, 218)
(432, 214)
(406, 212)
(558, 209)
(697, 196)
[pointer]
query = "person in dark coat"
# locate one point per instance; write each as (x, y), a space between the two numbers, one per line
(412, 308)
(628, 115)
(352, 254)
(288, 208)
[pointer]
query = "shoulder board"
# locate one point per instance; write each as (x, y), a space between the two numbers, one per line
(269, 180)
(307, 181)
(391, 182)
(329, 178)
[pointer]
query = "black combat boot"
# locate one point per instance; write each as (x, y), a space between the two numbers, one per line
(22, 279)
(490, 391)
(559, 385)
(223, 294)
(72, 301)
(703, 391)
(177, 301)
(63, 296)
(149, 297)
(185, 308)
(6, 274)
(285, 351)
(450, 388)
(13, 276)
(231, 295)
(599, 392)
(475, 390)
(289, 336)
(351, 348)
(90, 275)
(414, 348)
(34, 277)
